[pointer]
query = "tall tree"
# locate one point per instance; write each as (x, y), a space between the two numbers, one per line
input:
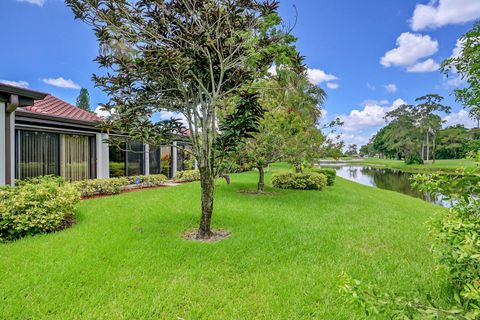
(465, 65)
(428, 122)
(185, 56)
(83, 100)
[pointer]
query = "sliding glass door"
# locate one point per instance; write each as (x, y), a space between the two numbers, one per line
(75, 157)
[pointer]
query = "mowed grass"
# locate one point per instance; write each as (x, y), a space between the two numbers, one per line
(125, 258)
(447, 165)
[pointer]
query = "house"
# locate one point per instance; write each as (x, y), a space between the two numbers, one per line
(44, 135)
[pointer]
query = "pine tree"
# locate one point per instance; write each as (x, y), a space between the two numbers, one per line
(83, 100)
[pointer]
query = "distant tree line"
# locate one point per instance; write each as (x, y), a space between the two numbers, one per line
(415, 134)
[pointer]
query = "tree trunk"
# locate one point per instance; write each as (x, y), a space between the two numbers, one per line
(207, 181)
(428, 147)
(261, 179)
(298, 168)
(423, 148)
(434, 142)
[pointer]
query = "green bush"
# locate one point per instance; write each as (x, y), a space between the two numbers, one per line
(301, 181)
(187, 176)
(38, 206)
(414, 159)
(91, 187)
(153, 180)
(330, 173)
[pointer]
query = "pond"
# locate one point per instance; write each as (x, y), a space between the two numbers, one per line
(383, 178)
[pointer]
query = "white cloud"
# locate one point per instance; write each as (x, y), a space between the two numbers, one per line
(370, 116)
(272, 70)
(391, 87)
(458, 49)
(428, 65)
(102, 113)
(333, 86)
(358, 139)
(61, 83)
(317, 76)
(439, 13)
(410, 48)
(460, 117)
(21, 83)
(370, 87)
(39, 3)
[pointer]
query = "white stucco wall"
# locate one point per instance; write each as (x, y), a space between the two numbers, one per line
(103, 158)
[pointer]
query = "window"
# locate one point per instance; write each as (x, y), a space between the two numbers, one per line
(45, 153)
(166, 161)
(155, 160)
(38, 154)
(75, 157)
(135, 159)
(117, 160)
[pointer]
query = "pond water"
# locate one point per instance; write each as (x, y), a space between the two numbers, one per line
(383, 178)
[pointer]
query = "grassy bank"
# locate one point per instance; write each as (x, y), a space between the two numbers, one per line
(439, 165)
(125, 258)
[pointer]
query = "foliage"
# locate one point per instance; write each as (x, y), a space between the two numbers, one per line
(83, 100)
(187, 176)
(330, 173)
(37, 206)
(188, 57)
(146, 181)
(300, 181)
(92, 187)
(464, 65)
(414, 159)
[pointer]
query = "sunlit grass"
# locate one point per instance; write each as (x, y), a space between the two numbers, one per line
(125, 259)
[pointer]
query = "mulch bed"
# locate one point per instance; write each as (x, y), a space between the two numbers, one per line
(218, 234)
(68, 222)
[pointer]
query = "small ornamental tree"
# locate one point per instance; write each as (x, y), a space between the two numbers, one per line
(191, 57)
(83, 100)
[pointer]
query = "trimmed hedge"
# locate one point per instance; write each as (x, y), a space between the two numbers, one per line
(92, 187)
(300, 181)
(38, 205)
(330, 173)
(187, 176)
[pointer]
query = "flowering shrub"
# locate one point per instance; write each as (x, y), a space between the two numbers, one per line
(37, 206)
(301, 181)
(187, 176)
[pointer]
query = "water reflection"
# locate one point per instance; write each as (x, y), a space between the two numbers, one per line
(383, 178)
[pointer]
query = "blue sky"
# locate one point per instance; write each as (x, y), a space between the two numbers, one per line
(368, 55)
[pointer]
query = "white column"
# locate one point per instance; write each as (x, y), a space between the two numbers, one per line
(2, 144)
(102, 160)
(174, 159)
(146, 160)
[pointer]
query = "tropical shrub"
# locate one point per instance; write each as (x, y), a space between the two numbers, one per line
(187, 176)
(153, 180)
(301, 181)
(91, 187)
(330, 173)
(38, 206)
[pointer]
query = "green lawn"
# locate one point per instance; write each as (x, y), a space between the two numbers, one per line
(125, 259)
(439, 165)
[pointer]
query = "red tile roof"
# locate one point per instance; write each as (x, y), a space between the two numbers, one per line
(55, 107)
